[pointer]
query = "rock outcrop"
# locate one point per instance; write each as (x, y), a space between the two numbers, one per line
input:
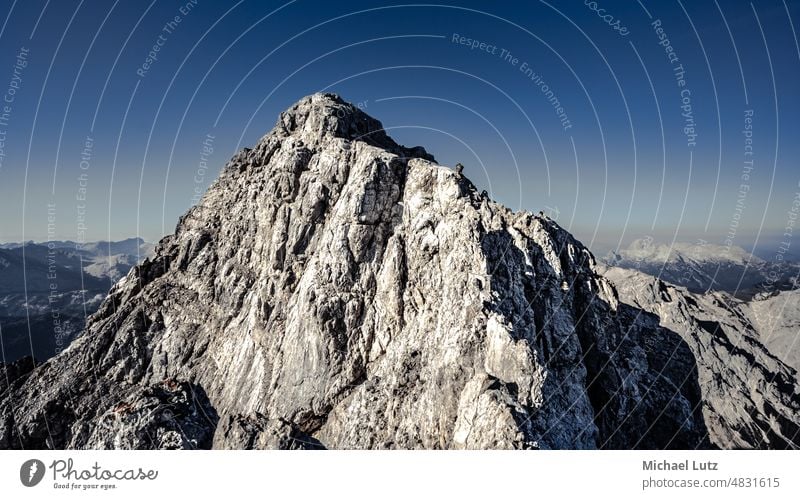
(750, 394)
(334, 289)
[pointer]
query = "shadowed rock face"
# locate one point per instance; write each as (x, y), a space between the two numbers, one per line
(749, 395)
(336, 290)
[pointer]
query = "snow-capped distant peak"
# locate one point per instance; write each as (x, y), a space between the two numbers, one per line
(701, 251)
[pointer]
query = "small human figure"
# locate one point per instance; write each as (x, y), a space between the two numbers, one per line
(459, 168)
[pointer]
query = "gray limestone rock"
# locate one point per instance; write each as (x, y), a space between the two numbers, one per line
(334, 289)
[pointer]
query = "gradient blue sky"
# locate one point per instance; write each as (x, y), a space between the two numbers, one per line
(622, 171)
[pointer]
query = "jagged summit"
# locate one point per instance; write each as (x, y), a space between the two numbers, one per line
(321, 116)
(334, 289)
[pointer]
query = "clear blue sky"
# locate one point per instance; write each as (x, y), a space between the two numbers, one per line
(620, 170)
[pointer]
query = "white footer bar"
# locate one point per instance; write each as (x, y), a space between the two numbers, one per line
(355, 474)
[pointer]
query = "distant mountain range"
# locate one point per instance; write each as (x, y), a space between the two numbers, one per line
(48, 289)
(702, 267)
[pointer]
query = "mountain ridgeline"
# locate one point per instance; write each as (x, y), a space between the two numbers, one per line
(334, 289)
(703, 267)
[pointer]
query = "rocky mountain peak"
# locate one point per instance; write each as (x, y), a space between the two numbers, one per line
(327, 114)
(321, 117)
(335, 289)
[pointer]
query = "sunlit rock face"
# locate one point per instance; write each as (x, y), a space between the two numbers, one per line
(333, 289)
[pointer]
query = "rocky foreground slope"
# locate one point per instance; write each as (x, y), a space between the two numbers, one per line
(744, 363)
(336, 290)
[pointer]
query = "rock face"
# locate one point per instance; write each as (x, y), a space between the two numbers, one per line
(776, 318)
(336, 290)
(750, 396)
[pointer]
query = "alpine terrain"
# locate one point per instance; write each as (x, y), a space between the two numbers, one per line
(703, 266)
(334, 289)
(47, 289)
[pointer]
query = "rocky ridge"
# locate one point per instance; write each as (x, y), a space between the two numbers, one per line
(739, 376)
(334, 289)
